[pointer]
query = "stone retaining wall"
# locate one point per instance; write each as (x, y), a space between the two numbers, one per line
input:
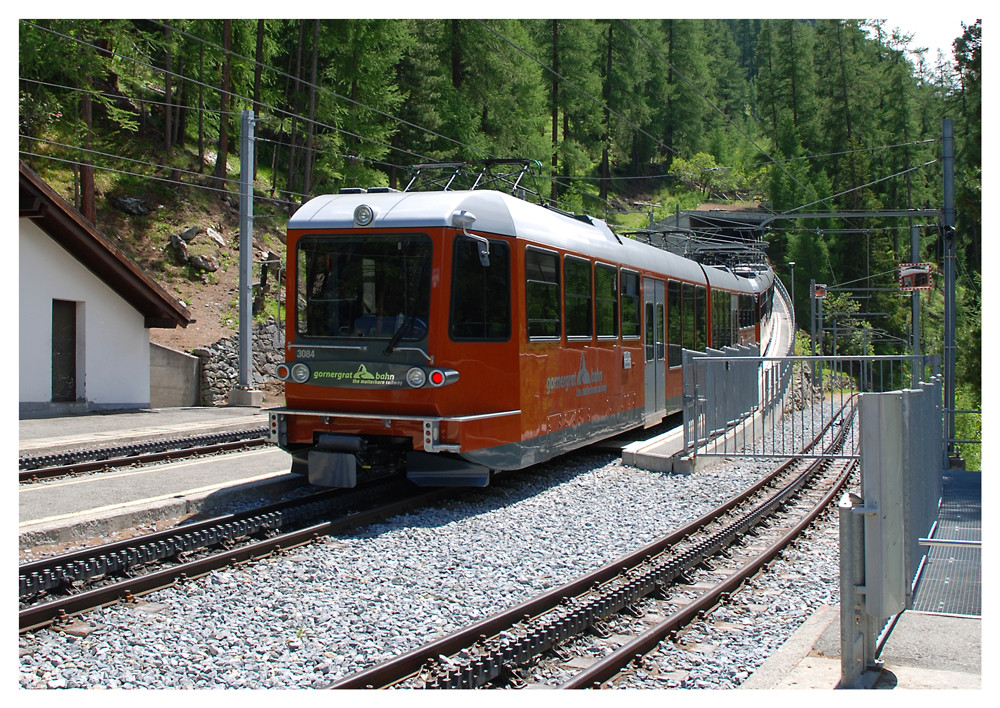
(220, 362)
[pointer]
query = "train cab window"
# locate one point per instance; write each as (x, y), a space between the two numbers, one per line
(700, 319)
(674, 322)
(606, 300)
(541, 270)
(578, 297)
(371, 286)
(480, 295)
(630, 304)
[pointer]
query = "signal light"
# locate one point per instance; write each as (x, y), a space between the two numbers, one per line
(437, 378)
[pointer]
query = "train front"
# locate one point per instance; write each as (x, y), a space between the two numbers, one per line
(398, 322)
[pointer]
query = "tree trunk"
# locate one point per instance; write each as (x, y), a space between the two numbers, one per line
(555, 110)
(293, 150)
(168, 90)
(606, 152)
(307, 181)
(258, 66)
(223, 151)
(201, 109)
(88, 200)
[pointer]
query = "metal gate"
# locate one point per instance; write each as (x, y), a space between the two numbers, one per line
(737, 404)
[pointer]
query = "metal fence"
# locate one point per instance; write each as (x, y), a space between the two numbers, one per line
(739, 404)
(881, 554)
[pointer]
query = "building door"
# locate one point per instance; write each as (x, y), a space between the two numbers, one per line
(63, 351)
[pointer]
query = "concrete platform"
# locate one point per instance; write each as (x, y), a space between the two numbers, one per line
(924, 651)
(659, 454)
(60, 511)
(39, 436)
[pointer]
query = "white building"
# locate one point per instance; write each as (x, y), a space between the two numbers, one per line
(85, 311)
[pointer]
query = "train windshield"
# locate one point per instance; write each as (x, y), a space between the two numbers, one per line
(367, 286)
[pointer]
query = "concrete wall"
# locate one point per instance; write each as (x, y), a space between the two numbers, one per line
(113, 352)
(174, 378)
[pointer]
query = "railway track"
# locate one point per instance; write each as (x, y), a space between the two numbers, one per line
(72, 462)
(501, 650)
(54, 589)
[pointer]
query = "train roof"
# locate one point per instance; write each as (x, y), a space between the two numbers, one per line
(504, 215)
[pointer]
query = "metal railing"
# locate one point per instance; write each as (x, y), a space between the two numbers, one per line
(737, 404)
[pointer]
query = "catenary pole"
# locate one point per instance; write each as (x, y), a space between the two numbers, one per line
(246, 249)
(948, 212)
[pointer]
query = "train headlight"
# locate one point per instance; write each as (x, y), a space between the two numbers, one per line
(363, 215)
(416, 377)
(282, 372)
(300, 373)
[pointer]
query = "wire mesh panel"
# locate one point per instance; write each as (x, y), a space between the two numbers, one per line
(738, 405)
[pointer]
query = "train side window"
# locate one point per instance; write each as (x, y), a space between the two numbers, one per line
(700, 319)
(480, 295)
(606, 300)
(650, 332)
(717, 338)
(630, 304)
(674, 321)
(687, 316)
(727, 319)
(541, 269)
(578, 297)
(715, 319)
(745, 301)
(660, 331)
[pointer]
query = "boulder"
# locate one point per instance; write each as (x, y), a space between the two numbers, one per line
(205, 262)
(130, 205)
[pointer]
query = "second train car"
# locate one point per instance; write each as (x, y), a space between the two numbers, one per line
(453, 334)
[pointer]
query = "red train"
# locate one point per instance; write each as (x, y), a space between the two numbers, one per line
(456, 333)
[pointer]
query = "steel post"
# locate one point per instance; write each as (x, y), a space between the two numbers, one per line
(948, 167)
(246, 248)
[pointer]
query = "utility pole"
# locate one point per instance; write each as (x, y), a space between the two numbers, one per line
(812, 316)
(791, 265)
(243, 394)
(915, 302)
(948, 211)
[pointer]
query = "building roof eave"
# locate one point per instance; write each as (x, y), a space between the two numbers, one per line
(67, 227)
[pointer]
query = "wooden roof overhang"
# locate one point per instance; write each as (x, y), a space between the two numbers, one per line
(67, 227)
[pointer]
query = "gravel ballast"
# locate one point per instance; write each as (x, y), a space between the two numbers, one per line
(327, 610)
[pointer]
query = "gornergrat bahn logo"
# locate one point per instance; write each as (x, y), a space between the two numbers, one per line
(585, 381)
(360, 377)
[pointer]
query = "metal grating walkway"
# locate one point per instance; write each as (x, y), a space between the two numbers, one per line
(951, 581)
